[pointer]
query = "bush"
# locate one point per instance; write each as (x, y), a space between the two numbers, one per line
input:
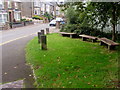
(48, 16)
(37, 17)
(71, 16)
(118, 38)
(69, 27)
(75, 28)
(23, 19)
(26, 20)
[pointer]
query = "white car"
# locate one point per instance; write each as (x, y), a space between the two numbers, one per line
(53, 23)
(59, 19)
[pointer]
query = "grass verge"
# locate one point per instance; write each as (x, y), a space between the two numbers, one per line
(72, 63)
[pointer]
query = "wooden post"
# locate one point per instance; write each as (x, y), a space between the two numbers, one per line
(47, 30)
(43, 42)
(42, 32)
(39, 35)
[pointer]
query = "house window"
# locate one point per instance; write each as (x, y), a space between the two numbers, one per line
(17, 16)
(0, 17)
(3, 17)
(35, 12)
(1, 5)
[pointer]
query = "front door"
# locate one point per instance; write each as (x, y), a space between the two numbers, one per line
(10, 17)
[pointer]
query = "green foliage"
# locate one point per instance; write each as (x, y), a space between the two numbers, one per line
(104, 13)
(47, 15)
(37, 17)
(69, 28)
(71, 16)
(93, 15)
(72, 63)
(26, 20)
(76, 28)
(23, 19)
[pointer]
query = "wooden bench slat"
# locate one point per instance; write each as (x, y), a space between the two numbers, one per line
(87, 36)
(68, 33)
(109, 42)
(71, 35)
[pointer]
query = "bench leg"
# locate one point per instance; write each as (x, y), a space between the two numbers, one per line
(83, 38)
(62, 35)
(93, 40)
(71, 36)
(111, 47)
(101, 43)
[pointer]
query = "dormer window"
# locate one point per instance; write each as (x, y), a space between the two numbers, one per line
(1, 5)
(9, 4)
(16, 5)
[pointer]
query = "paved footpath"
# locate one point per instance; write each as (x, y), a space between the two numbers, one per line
(15, 71)
(13, 62)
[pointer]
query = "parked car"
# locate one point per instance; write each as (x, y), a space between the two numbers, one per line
(62, 22)
(53, 23)
(59, 19)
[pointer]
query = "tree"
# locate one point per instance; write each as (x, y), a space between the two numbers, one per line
(47, 15)
(96, 14)
(71, 16)
(105, 12)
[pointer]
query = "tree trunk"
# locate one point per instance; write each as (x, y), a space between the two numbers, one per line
(114, 23)
(113, 33)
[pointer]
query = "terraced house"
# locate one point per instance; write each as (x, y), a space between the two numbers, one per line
(14, 10)
(10, 11)
(39, 7)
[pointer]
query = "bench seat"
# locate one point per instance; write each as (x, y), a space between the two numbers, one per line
(84, 37)
(71, 35)
(111, 44)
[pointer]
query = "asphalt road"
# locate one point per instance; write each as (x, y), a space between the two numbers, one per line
(13, 54)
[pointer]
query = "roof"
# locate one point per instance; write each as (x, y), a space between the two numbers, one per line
(17, 0)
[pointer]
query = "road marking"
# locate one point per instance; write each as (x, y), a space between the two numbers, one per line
(15, 39)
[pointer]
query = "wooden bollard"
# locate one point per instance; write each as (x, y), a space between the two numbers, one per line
(47, 30)
(42, 32)
(39, 35)
(43, 42)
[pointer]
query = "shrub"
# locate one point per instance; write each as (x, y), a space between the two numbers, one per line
(71, 16)
(118, 38)
(37, 17)
(26, 20)
(23, 19)
(48, 16)
(84, 30)
(69, 27)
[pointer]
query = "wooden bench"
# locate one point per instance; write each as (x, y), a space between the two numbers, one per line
(111, 44)
(71, 35)
(85, 37)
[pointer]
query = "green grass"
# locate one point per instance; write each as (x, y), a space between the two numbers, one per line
(72, 63)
